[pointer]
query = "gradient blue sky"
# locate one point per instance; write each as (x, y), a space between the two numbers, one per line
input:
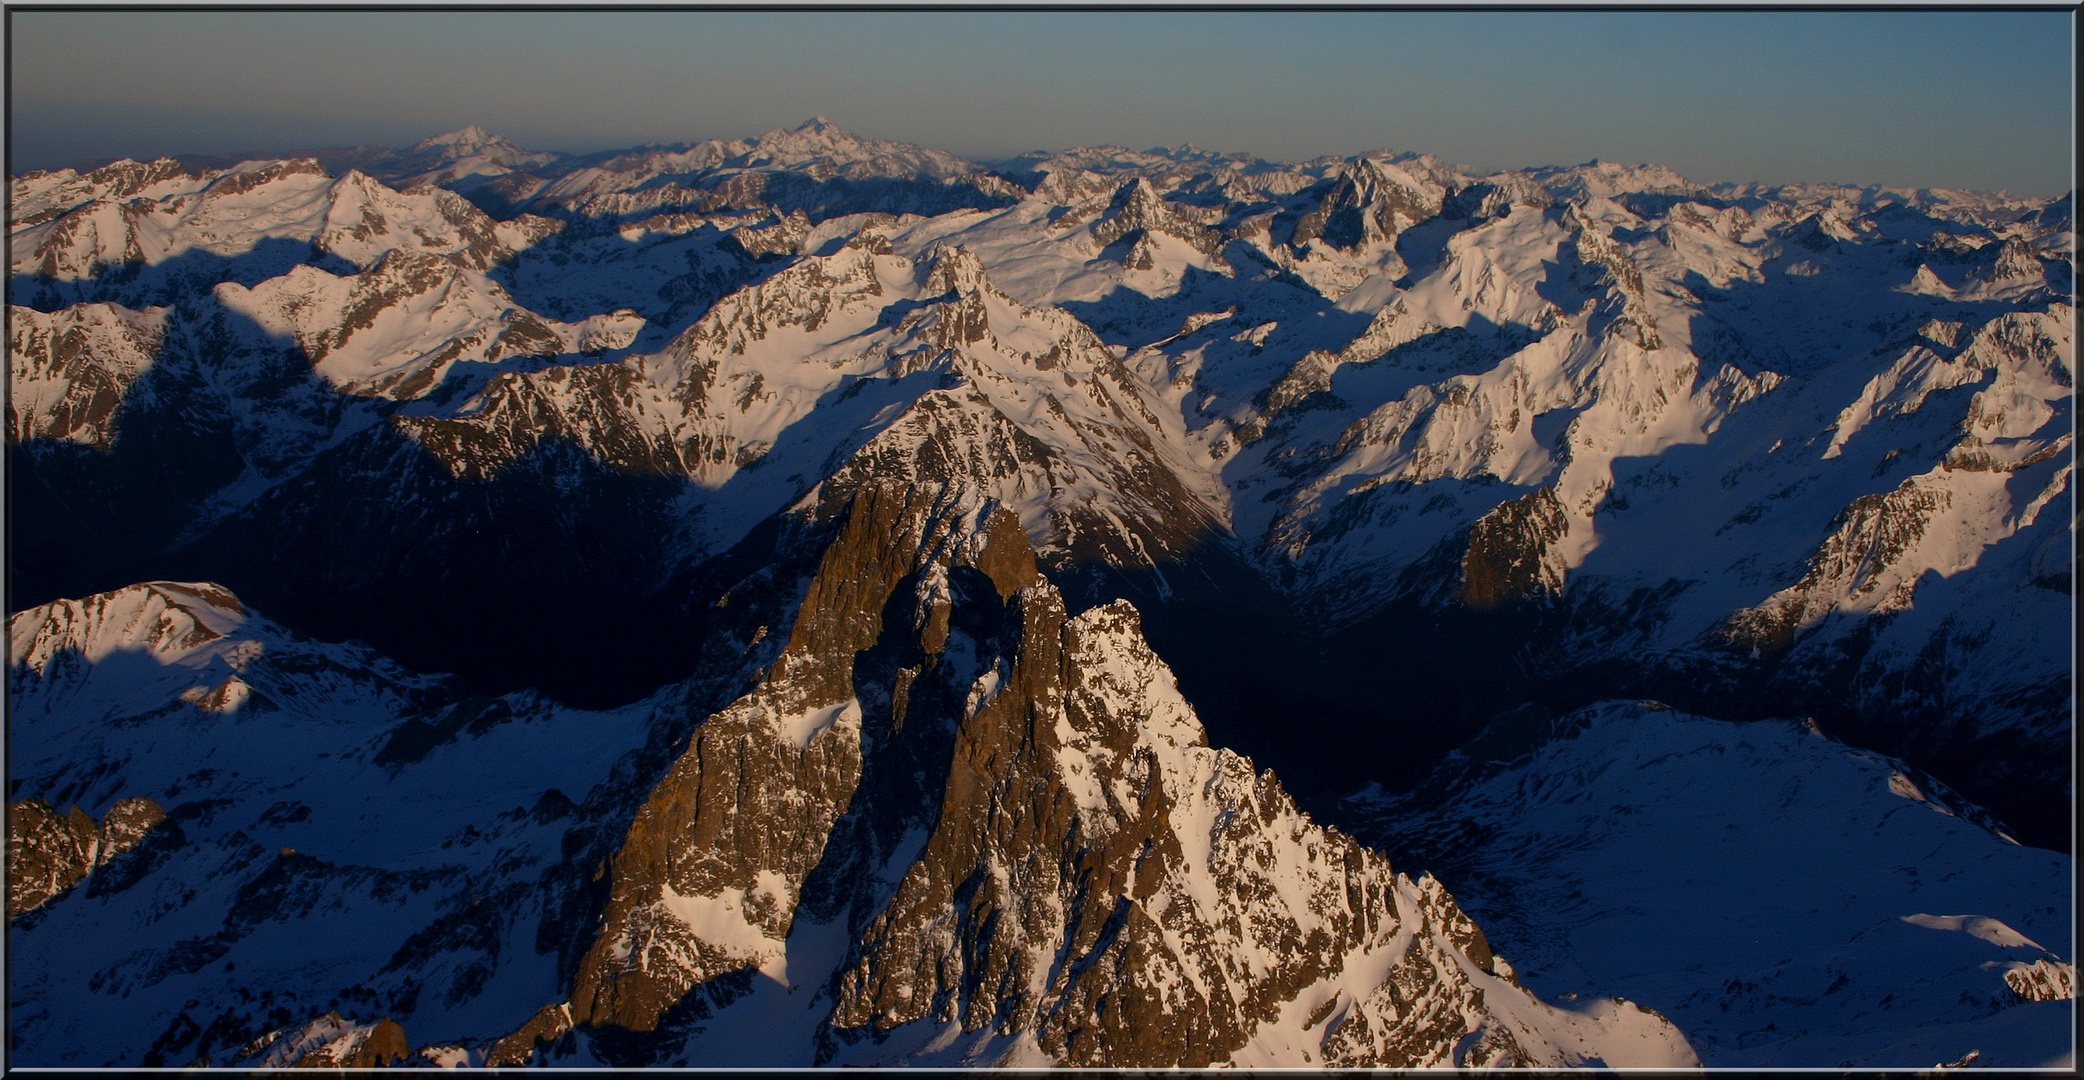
(1904, 98)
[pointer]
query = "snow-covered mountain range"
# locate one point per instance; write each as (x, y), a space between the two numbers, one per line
(933, 508)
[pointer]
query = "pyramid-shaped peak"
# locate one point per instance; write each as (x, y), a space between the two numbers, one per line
(1138, 191)
(957, 269)
(356, 179)
(1361, 173)
(815, 131)
(468, 144)
(1373, 171)
(815, 137)
(2016, 259)
(1138, 205)
(1822, 227)
(463, 138)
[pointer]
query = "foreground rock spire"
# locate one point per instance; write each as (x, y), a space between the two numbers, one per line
(953, 819)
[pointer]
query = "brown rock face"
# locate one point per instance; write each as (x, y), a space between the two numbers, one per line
(385, 1045)
(1365, 205)
(1138, 208)
(782, 237)
(48, 853)
(2042, 980)
(68, 371)
(1507, 548)
(546, 1025)
(1019, 826)
(739, 822)
(1100, 878)
(1867, 539)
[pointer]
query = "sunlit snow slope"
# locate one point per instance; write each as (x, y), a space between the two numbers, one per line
(999, 526)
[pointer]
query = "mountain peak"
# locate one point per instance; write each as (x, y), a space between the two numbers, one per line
(466, 151)
(163, 619)
(813, 460)
(816, 132)
(955, 268)
(466, 138)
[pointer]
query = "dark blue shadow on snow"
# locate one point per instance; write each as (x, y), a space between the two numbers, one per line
(192, 274)
(558, 571)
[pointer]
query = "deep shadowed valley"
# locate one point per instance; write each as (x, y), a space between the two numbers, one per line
(808, 600)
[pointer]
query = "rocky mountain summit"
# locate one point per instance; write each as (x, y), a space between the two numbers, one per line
(964, 825)
(942, 612)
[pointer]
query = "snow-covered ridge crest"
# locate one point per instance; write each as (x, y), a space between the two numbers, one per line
(1619, 430)
(464, 156)
(69, 371)
(166, 620)
(40, 196)
(810, 164)
(146, 240)
(819, 141)
(817, 146)
(397, 328)
(2004, 466)
(1581, 329)
(1023, 401)
(176, 646)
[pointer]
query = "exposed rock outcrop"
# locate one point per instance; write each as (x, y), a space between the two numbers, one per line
(48, 852)
(1021, 831)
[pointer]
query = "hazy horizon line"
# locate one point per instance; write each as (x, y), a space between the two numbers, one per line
(212, 158)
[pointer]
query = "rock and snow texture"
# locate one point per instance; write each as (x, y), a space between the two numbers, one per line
(252, 221)
(398, 328)
(48, 853)
(948, 822)
(1780, 896)
(912, 369)
(320, 830)
(814, 166)
(1807, 441)
(997, 835)
(1732, 394)
(68, 371)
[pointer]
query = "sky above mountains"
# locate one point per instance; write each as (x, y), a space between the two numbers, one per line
(1903, 98)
